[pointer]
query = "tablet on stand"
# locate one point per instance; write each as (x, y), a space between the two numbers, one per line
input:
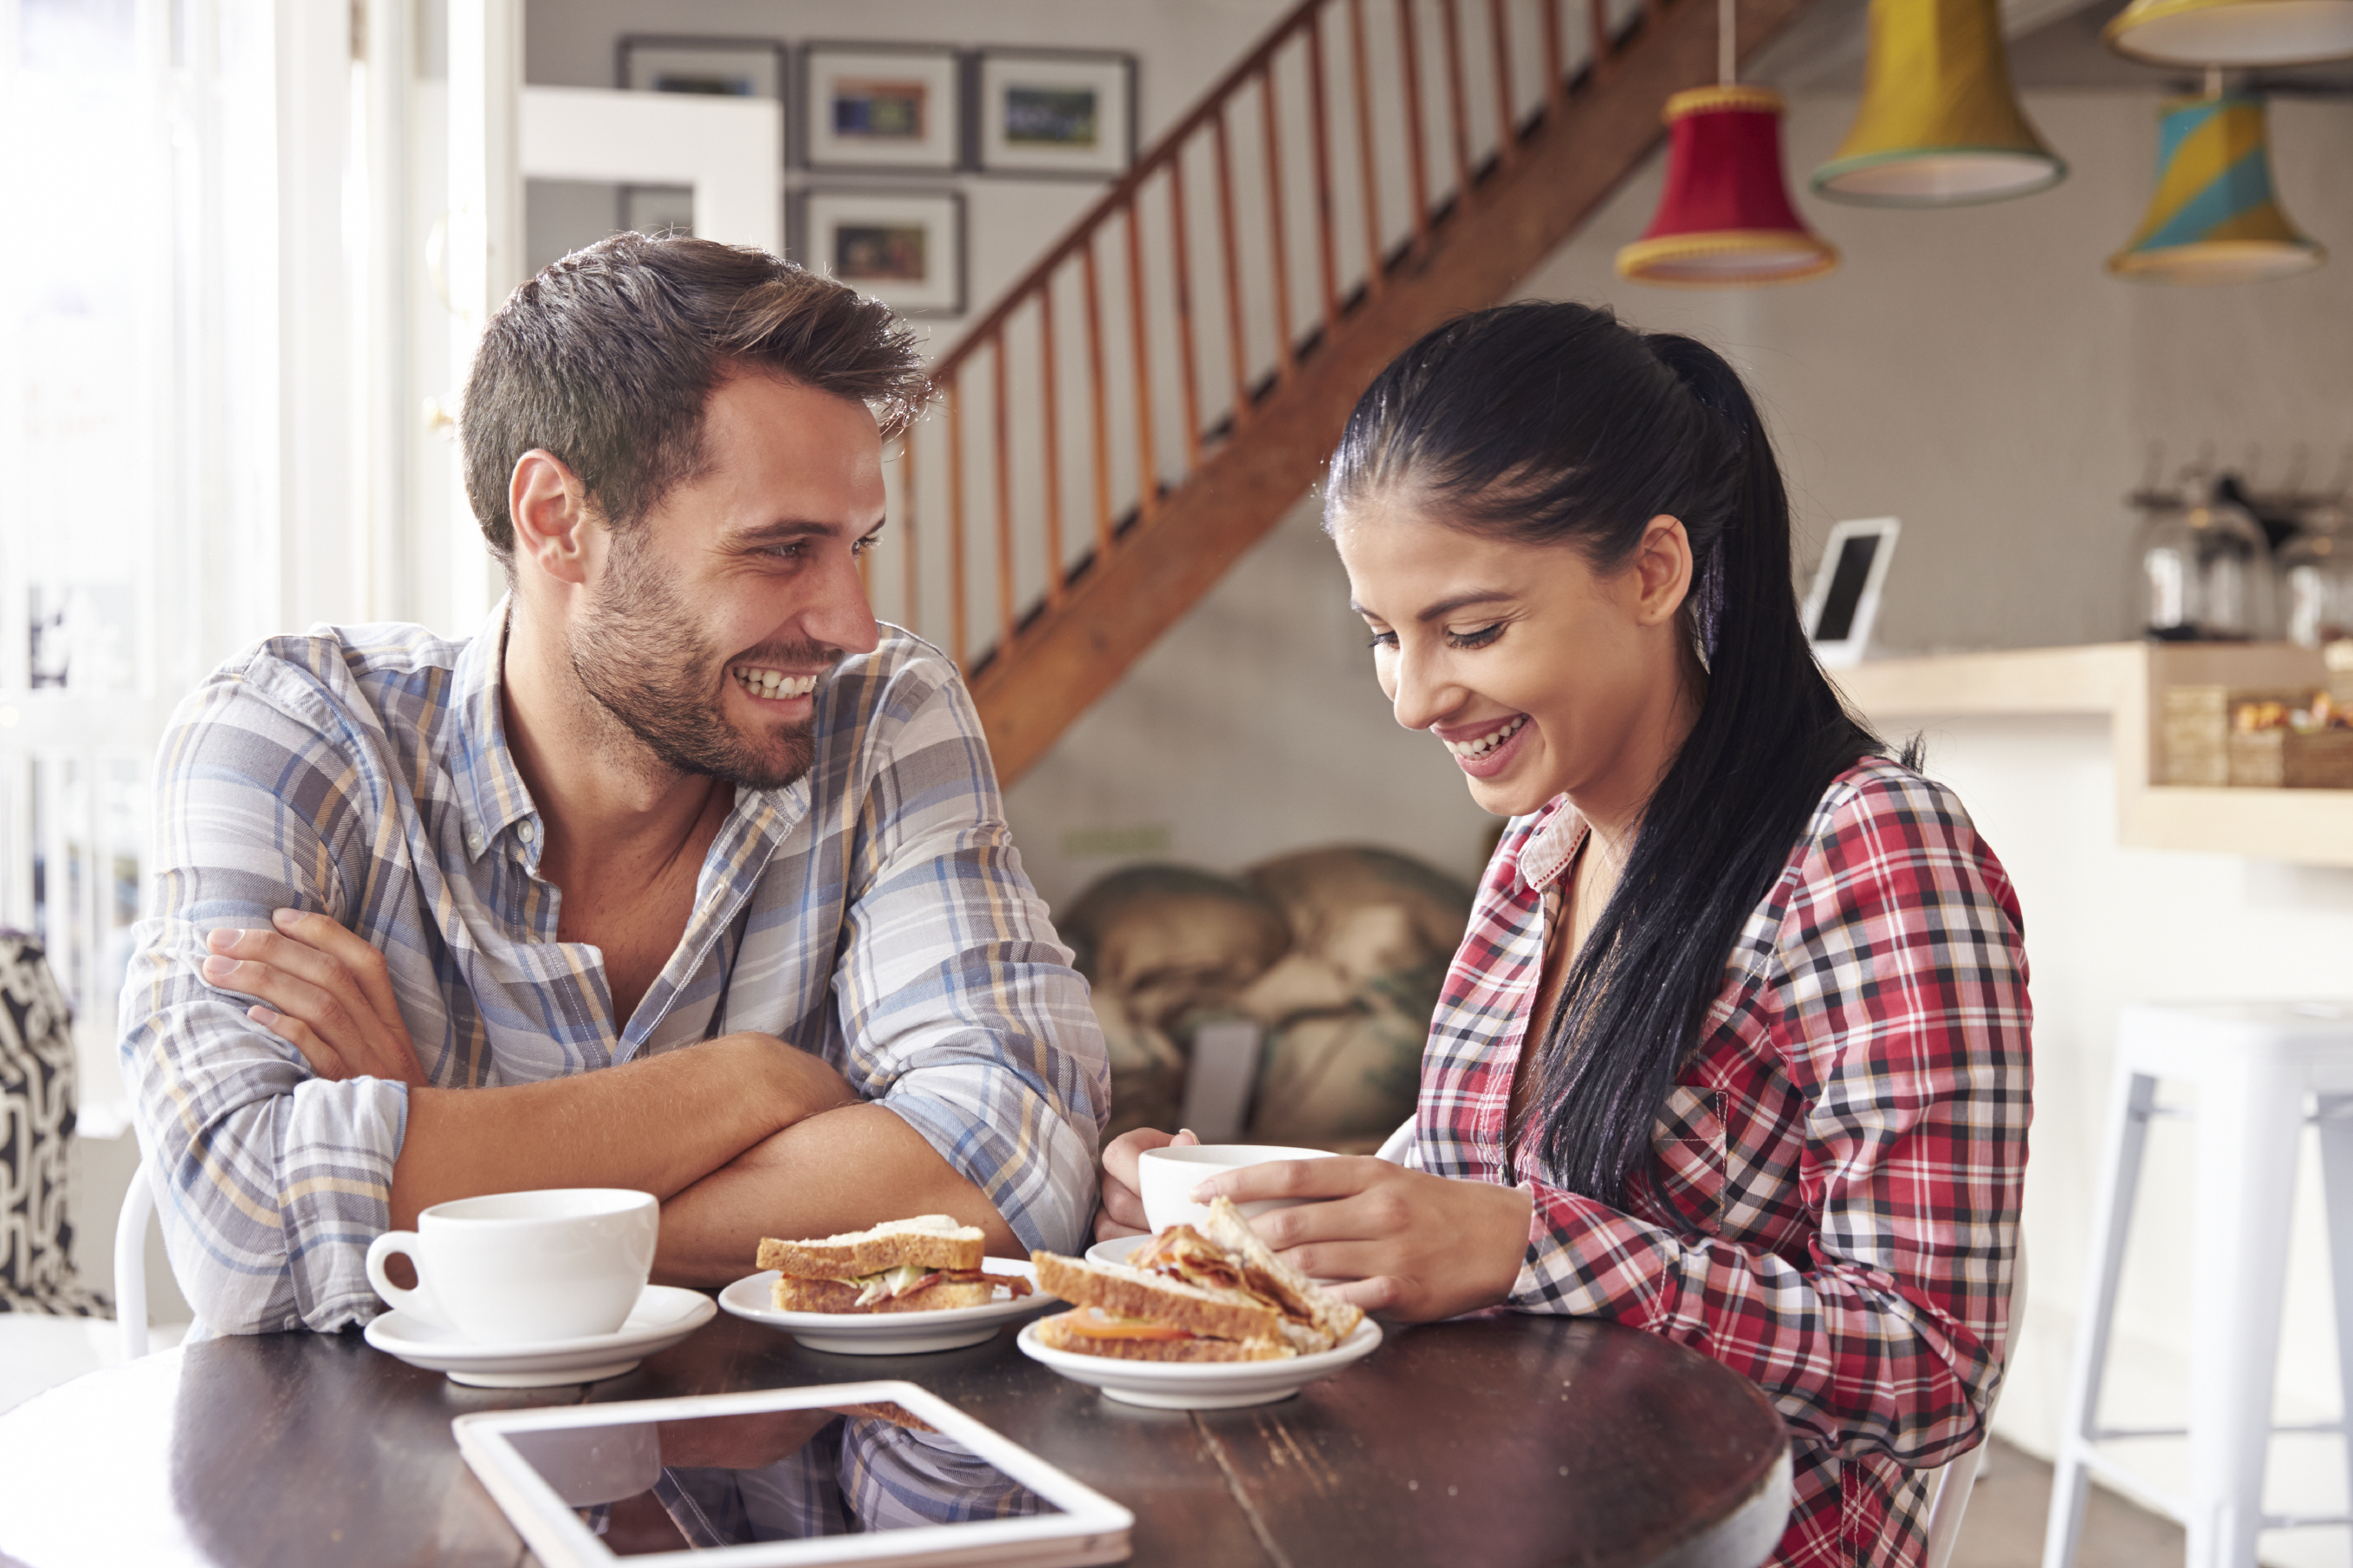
(768, 1478)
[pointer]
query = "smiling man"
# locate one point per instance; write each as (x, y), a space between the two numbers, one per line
(681, 875)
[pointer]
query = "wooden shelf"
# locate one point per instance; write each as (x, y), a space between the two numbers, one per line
(2308, 826)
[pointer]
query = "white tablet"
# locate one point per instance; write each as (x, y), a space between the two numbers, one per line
(877, 1472)
(1843, 608)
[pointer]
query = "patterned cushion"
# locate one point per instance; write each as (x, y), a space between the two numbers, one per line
(36, 1119)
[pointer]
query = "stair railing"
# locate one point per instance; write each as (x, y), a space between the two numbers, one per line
(1313, 174)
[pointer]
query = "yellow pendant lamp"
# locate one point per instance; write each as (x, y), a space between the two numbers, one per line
(1940, 124)
(2236, 33)
(2214, 218)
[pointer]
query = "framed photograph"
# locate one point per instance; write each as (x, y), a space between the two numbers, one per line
(1046, 111)
(1842, 606)
(903, 247)
(722, 68)
(873, 106)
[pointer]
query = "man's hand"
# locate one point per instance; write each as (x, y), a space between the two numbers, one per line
(329, 994)
(1123, 1211)
(1413, 1246)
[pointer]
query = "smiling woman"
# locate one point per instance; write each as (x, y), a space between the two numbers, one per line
(1735, 1049)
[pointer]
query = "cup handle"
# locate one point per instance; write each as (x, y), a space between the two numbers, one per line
(412, 1301)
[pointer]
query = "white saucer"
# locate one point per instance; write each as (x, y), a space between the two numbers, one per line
(1201, 1385)
(1116, 1250)
(664, 1316)
(886, 1333)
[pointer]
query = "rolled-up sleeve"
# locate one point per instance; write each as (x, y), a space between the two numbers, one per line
(271, 1181)
(961, 1010)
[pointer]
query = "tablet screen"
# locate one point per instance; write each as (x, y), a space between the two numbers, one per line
(770, 1475)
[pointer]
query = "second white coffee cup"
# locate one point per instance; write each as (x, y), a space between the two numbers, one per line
(1166, 1178)
(565, 1263)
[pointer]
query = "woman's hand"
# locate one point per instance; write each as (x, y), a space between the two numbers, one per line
(329, 995)
(1122, 1210)
(1410, 1246)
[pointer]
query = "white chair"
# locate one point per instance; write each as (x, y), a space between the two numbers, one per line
(2254, 1066)
(1950, 1485)
(131, 1261)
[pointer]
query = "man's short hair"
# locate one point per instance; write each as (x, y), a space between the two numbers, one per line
(607, 358)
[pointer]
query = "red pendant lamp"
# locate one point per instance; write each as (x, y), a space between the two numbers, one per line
(1725, 220)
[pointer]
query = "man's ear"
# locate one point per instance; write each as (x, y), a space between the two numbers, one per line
(552, 516)
(1663, 570)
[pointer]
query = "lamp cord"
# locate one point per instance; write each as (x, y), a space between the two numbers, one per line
(1727, 32)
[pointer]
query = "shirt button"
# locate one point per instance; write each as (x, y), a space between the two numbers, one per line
(474, 843)
(524, 833)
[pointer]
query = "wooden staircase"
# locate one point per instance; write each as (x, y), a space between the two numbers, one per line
(1166, 383)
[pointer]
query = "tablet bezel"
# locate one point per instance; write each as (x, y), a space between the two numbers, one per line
(1844, 653)
(1090, 1529)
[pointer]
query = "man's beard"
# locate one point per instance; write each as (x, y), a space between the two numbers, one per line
(637, 654)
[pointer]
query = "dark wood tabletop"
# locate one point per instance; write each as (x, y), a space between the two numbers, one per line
(1504, 1440)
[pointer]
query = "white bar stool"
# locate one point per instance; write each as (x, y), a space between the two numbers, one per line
(2254, 1065)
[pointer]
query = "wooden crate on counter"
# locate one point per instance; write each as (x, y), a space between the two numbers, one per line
(2283, 758)
(2193, 740)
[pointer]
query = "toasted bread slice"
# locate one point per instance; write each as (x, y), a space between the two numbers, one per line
(1270, 1276)
(928, 1241)
(1125, 1293)
(837, 1295)
(1055, 1333)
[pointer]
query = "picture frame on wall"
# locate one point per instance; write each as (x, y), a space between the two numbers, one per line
(903, 247)
(881, 107)
(1055, 111)
(724, 67)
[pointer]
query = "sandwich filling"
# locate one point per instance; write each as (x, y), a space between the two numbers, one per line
(889, 1284)
(1094, 1323)
(1185, 1255)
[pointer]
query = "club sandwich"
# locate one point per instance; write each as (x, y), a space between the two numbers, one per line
(926, 1264)
(1206, 1294)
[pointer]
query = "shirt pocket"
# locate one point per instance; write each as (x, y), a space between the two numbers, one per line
(1689, 1140)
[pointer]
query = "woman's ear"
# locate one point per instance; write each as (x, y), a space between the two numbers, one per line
(1663, 570)
(552, 516)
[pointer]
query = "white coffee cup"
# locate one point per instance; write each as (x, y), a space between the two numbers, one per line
(517, 1267)
(1166, 1178)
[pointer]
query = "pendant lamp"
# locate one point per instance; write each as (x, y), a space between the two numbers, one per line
(2214, 218)
(1940, 124)
(1725, 220)
(2232, 32)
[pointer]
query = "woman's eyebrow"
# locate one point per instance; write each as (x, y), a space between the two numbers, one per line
(1445, 607)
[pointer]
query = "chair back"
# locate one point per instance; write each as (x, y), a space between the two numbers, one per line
(131, 1261)
(1950, 1487)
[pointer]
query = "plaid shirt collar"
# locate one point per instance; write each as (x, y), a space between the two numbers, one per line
(1550, 848)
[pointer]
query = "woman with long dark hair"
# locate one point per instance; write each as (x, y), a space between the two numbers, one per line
(1735, 1047)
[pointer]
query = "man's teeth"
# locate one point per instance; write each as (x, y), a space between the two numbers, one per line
(1487, 742)
(776, 683)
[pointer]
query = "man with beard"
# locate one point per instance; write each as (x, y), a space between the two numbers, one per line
(681, 875)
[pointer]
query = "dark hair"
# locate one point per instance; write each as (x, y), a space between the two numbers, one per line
(607, 358)
(1557, 424)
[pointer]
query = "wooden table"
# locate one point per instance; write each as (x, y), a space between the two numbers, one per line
(1504, 1440)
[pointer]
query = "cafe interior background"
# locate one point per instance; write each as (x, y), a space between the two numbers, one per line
(254, 239)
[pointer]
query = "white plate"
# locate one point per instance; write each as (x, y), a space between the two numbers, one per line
(664, 1316)
(1204, 1384)
(886, 1333)
(1116, 1250)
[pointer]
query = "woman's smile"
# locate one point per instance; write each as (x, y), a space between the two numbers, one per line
(1487, 748)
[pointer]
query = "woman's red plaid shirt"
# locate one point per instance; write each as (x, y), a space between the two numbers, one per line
(1833, 1211)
